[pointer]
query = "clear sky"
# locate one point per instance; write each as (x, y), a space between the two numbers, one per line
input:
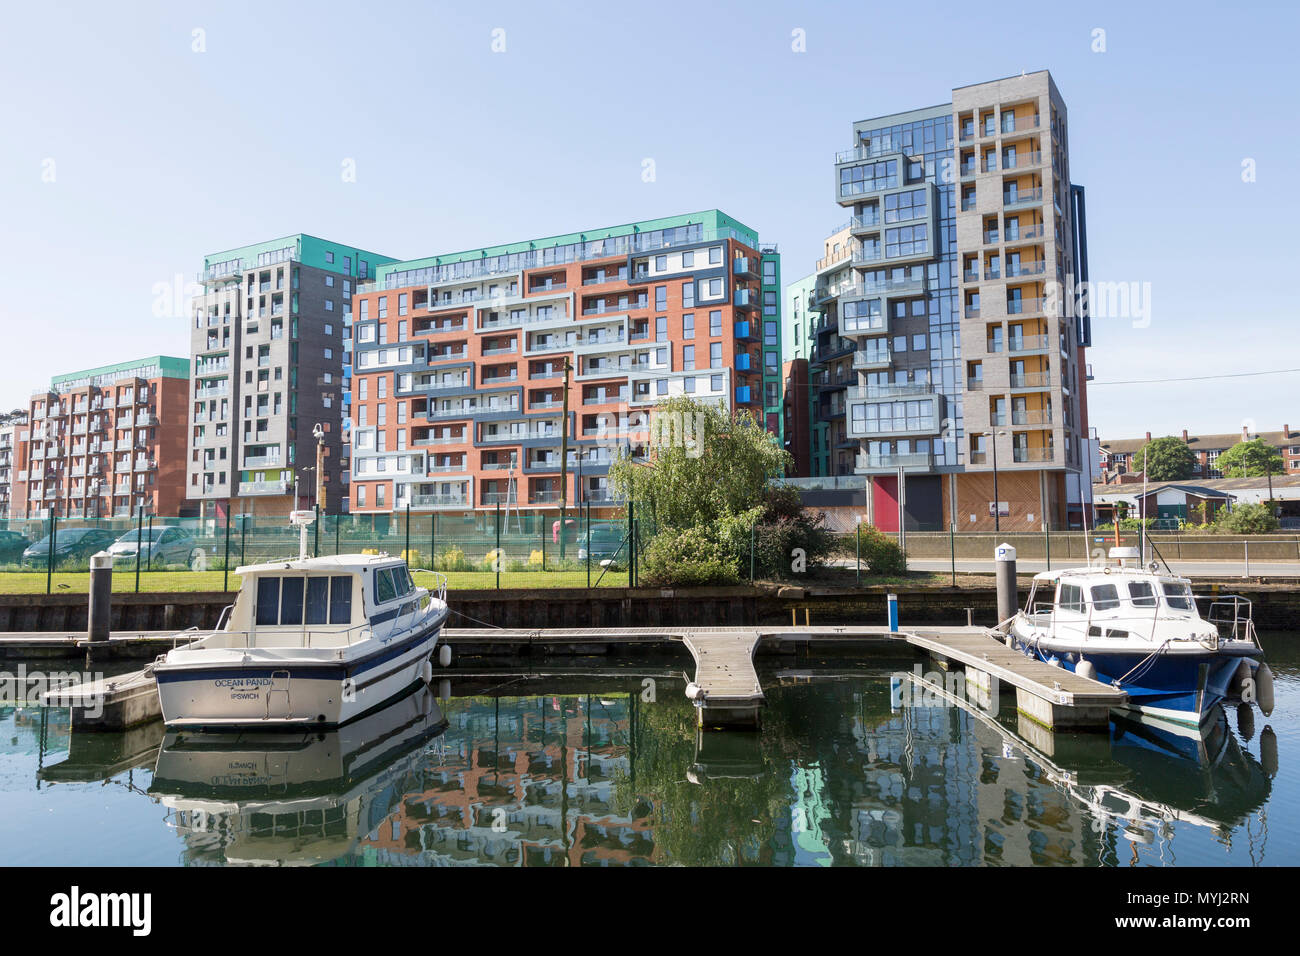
(126, 154)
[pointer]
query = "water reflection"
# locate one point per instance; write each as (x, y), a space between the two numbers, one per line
(518, 770)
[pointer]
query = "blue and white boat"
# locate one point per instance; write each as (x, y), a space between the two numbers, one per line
(1140, 631)
(312, 641)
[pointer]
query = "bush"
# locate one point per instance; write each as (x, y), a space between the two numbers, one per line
(492, 559)
(880, 553)
(1247, 519)
(688, 557)
(453, 559)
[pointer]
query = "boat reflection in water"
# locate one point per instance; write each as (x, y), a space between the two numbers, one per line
(293, 798)
(1179, 775)
(1148, 774)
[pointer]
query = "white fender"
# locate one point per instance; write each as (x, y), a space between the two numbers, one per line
(1085, 668)
(444, 655)
(426, 671)
(444, 689)
(694, 691)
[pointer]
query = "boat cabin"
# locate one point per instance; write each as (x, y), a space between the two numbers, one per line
(320, 602)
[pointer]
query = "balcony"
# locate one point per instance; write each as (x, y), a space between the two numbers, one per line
(745, 267)
(544, 497)
(1030, 380)
(262, 461)
(422, 502)
(915, 461)
(1026, 455)
(1021, 197)
(252, 488)
(743, 331)
(864, 359)
(1031, 417)
(744, 299)
(1025, 305)
(1029, 343)
(1022, 160)
(1015, 269)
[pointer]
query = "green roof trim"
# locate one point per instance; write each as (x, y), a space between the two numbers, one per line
(170, 367)
(309, 250)
(712, 220)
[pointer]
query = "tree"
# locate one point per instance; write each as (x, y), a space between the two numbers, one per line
(703, 465)
(1167, 459)
(1251, 459)
(1247, 519)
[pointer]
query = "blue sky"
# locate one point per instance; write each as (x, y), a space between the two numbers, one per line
(161, 154)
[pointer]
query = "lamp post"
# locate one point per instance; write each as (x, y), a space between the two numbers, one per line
(319, 434)
(997, 502)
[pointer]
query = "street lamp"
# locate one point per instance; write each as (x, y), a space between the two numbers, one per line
(319, 434)
(997, 502)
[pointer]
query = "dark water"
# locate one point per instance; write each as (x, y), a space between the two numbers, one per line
(589, 771)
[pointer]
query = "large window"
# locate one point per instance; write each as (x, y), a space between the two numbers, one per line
(294, 599)
(906, 241)
(868, 178)
(900, 207)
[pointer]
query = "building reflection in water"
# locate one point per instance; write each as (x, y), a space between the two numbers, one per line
(600, 776)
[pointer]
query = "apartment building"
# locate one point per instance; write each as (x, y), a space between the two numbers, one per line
(1123, 456)
(805, 436)
(270, 345)
(104, 442)
(950, 344)
(10, 428)
(459, 360)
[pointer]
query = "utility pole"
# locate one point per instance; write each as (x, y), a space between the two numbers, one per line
(564, 455)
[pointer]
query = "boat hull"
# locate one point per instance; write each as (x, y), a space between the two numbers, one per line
(1181, 686)
(260, 691)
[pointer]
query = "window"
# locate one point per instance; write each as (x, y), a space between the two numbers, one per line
(1071, 598)
(384, 589)
(688, 295)
(329, 305)
(661, 264)
(661, 297)
(715, 287)
(715, 383)
(715, 255)
(688, 357)
(688, 325)
(688, 385)
(715, 355)
(1177, 596)
(329, 257)
(715, 322)
(688, 260)
(1141, 594)
(1105, 597)
(901, 207)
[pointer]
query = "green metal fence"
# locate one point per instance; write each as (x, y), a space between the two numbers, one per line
(500, 543)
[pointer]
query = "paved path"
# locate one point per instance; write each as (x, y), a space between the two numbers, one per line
(1191, 569)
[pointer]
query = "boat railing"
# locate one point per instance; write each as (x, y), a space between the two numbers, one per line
(354, 634)
(1231, 614)
(439, 585)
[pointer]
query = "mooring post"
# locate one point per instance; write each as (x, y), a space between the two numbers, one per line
(891, 601)
(1004, 557)
(101, 597)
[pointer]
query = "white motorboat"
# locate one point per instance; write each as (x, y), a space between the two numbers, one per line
(311, 641)
(1140, 630)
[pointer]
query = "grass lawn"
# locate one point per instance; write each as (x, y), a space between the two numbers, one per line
(78, 582)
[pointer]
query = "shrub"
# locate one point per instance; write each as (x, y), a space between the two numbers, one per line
(453, 559)
(492, 559)
(688, 557)
(535, 557)
(1248, 519)
(880, 553)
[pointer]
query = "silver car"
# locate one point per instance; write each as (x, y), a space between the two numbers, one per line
(159, 547)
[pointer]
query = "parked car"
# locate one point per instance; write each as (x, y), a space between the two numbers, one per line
(70, 545)
(12, 546)
(158, 547)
